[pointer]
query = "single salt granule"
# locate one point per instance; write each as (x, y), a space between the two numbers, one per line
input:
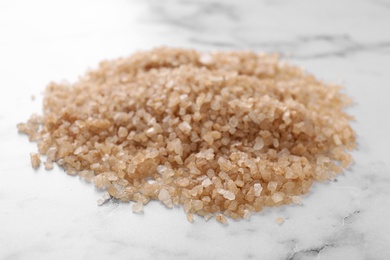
(272, 185)
(161, 169)
(229, 195)
(165, 197)
(279, 221)
(221, 219)
(296, 200)
(233, 121)
(257, 188)
(122, 132)
(183, 182)
(259, 144)
(206, 182)
(137, 207)
(35, 160)
(185, 127)
(277, 197)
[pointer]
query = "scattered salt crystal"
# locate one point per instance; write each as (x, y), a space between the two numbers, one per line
(279, 220)
(35, 160)
(48, 165)
(106, 196)
(185, 127)
(138, 207)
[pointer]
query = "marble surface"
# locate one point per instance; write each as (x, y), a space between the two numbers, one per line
(50, 215)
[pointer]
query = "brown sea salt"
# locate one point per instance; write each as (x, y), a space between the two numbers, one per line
(223, 134)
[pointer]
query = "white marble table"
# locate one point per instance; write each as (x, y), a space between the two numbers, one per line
(50, 215)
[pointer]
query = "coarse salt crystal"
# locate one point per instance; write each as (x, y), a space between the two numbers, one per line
(206, 182)
(35, 160)
(257, 188)
(277, 197)
(279, 220)
(259, 144)
(221, 219)
(137, 207)
(164, 195)
(161, 169)
(296, 200)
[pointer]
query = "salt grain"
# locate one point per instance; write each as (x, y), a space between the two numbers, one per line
(35, 160)
(279, 220)
(259, 144)
(272, 185)
(138, 207)
(106, 196)
(221, 219)
(161, 169)
(190, 217)
(122, 132)
(257, 188)
(277, 197)
(296, 200)
(164, 195)
(207, 182)
(48, 165)
(185, 127)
